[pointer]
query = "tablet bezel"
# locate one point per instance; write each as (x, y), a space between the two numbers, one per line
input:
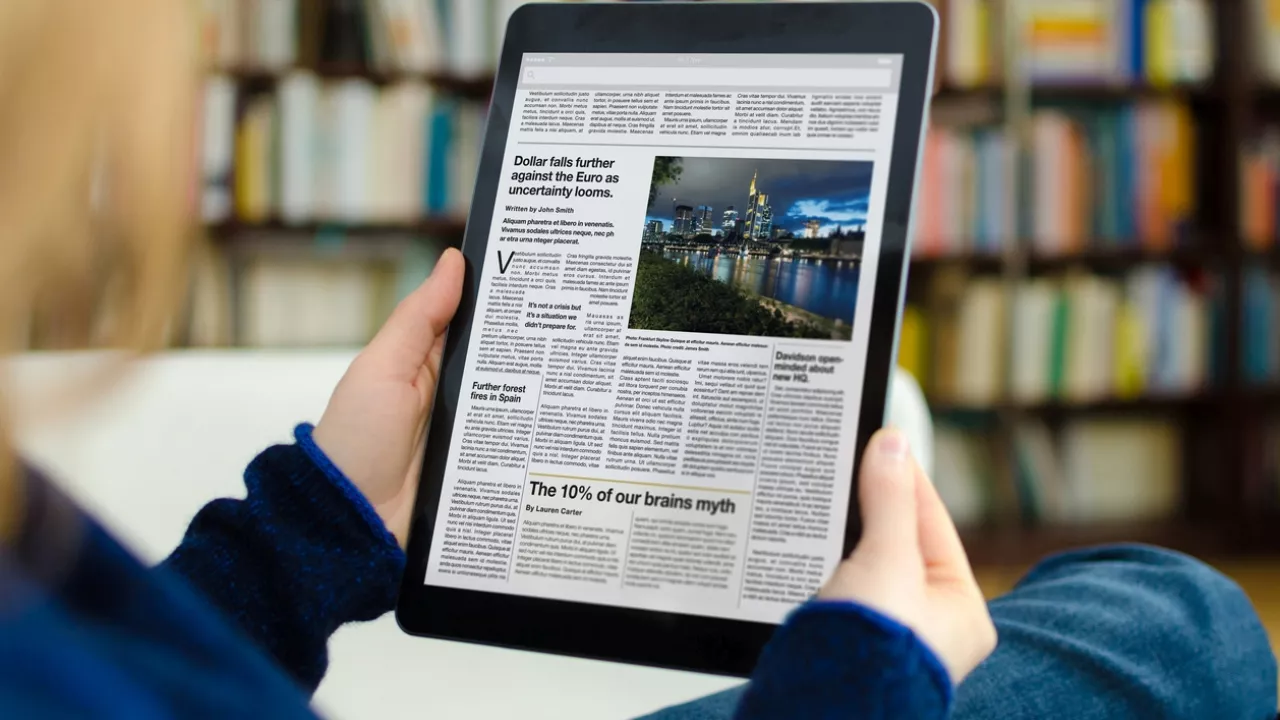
(687, 642)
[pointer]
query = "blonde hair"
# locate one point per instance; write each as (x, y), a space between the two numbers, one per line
(97, 178)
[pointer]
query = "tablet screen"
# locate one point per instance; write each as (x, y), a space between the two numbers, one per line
(660, 396)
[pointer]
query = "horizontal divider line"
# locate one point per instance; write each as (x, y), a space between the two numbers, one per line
(645, 484)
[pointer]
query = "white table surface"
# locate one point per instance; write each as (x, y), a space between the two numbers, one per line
(177, 430)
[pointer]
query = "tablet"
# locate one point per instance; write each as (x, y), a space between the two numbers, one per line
(685, 263)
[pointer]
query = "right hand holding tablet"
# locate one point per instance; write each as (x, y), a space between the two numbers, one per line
(910, 564)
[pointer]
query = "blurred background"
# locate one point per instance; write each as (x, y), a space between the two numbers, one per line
(1093, 301)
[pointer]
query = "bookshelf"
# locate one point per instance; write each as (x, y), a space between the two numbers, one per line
(445, 227)
(1229, 490)
(1227, 495)
(1097, 259)
(1144, 405)
(1127, 92)
(470, 88)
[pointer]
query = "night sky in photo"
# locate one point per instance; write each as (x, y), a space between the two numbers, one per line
(833, 192)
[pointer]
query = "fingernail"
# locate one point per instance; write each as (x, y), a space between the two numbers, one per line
(893, 445)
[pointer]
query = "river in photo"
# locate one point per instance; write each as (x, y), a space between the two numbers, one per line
(826, 287)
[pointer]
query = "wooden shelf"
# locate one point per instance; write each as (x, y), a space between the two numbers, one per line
(1269, 256)
(1087, 91)
(447, 227)
(954, 93)
(973, 262)
(1120, 258)
(1024, 545)
(1104, 92)
(1160, 404)
(1267, 94)
(1097, 259)
(1266, 395)
(474, 88)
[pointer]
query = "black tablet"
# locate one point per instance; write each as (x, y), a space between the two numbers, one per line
(685, 264)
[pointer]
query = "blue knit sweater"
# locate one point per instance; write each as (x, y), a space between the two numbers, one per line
(235, 622)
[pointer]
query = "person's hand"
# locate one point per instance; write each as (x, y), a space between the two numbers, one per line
(910, 564)
(375, 424)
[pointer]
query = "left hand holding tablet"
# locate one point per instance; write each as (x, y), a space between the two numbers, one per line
(375, 424)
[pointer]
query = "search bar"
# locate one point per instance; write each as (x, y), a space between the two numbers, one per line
(711, 76)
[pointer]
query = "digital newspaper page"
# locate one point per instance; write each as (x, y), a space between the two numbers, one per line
(661, 393)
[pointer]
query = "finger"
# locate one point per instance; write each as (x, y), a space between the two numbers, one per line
(411, 332)
(887, 494)
(940, 544)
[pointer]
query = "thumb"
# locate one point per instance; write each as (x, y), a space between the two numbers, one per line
(407, 337)
(887, 495)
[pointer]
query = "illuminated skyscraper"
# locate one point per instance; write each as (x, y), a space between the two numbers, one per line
(730, 223)
(703, 221)
(812, 228)
(652, 231)
(683, 225)
(752, 197)
(765, 214)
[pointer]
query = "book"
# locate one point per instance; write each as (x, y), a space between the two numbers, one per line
(299, 104)
(1031, 361)
(253, 156)
(1039, 470)
(257, 34)
(1161, 42)
(913, 352)
(1260, 190)
(970, 42)
(1260, 320)
(963, 473)
(218, 148)
(979, 358)
(1264, 21)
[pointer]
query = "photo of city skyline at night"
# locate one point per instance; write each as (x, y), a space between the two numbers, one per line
(752, 247)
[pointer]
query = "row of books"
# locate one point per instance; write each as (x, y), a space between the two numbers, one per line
(1260, 190)
(1115, 176)
(1074, 339)
(1161, 42)
(1099, 177)
(412, 36)
(344, 151)
(1260, 312)
(967, 192)
(1158, 41)
(1063, 478)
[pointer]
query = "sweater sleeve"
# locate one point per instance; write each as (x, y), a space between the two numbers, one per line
(302, 554)
(844, 660)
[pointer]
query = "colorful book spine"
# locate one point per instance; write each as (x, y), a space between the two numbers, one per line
(1260, 308)
(1111, 178)
(966, 193)
(1260, 191)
